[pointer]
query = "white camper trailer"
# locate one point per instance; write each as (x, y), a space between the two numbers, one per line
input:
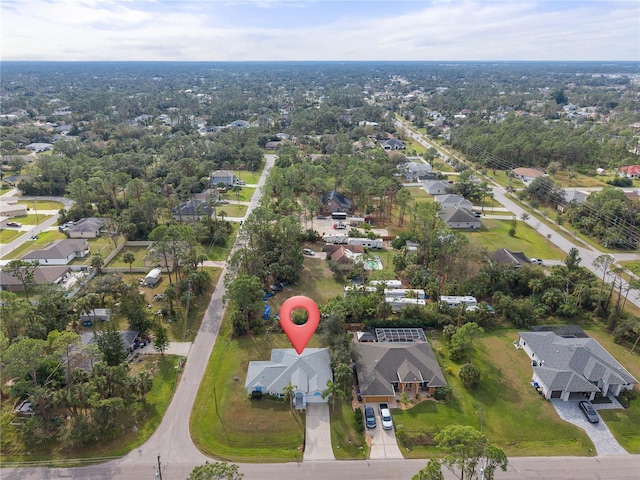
(366, 242)
(153, 277)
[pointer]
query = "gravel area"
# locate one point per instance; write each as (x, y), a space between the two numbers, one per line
(599, 433)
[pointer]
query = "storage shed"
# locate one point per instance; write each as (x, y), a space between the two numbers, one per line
(153, 277)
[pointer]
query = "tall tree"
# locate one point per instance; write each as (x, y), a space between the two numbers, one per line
(110, 345)
(334, 390)
(468, 454)
(160, 338)
(129, 258)
(23, 270)
(246, 295)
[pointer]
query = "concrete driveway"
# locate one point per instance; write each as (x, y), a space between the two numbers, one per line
(318, 433)
(383, 442)
(599, 433)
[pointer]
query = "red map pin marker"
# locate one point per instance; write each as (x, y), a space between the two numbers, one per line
(299, 335)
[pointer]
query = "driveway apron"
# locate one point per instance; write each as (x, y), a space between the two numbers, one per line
(599, 433)
(318, 433)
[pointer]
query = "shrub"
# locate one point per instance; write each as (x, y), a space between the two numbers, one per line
(357, 413)
(442, 393)
(470, 375)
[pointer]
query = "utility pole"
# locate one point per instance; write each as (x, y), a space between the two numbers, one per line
(159, 472)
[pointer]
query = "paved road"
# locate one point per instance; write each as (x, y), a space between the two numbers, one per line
(588, 254)
(521, 468)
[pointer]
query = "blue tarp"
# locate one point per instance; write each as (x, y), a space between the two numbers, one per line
(267, 312)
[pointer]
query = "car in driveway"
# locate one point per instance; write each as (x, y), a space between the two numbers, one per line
(308, 251)
(14, 224)
(385, 415)
(536, 261)
(369, 417)
(589, 411)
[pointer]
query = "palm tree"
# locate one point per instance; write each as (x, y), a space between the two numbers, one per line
(129, 258)
(288, 393)
(332, 391)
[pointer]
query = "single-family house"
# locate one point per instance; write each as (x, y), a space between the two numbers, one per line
(345, 255)
(392, 144)
(223, 176)
(192, 210)
(39, 147)
(632, 171)
(387, 369)
(459, 218)
(573, 368)
(507, 257)
(102, 314)
(41, 276)
(11, 208)
(334, 201)
(572, 197)
(308, 373)
(527, 174)
(416, 171)
(449, 200)
(60, 252)
(239, 124)
(90, 227)
(435, 187)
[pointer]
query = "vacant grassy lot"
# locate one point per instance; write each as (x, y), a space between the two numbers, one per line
(41, 205)
(43, 239)
(250, 177)
(8, 234)
(578, 180)
(139, 253)
(505, 406)
(419, 195)
(218, 252)
(31, 219)
(232, 210)
(494, 234)
(145, 416)
(225, 423)
(244, 195)
(631, 266)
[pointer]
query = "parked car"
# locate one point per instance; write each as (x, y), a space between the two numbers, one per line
(14, 224)
(308, 251)
(240, 182)
(369, 417)
(477, 214)
(589, 411)
(87, 323)
(385, 415)
(321, 217)
(536, 261)
(222, 200)
(277, 287)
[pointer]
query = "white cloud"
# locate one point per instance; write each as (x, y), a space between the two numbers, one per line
(190, 30)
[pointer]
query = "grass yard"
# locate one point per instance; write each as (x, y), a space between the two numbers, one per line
(146, 416)
(250, 177)
(226, 424)
(232, 210)
(42, 205)
(419, 195)
(505, 405)
(494, 234)
(31, 219)
(43, 239)
(579, 180)
(9, 234)
(244, 195)
(633, 267)
(346, 442)
(139, 253)
(218, 252)
(387, 265)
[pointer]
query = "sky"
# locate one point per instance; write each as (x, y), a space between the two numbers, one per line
(277, 30)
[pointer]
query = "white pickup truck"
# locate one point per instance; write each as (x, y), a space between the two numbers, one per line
(385, 416)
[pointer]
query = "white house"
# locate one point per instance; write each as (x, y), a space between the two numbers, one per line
(573, 368)
(223, 176)
(452, 200)
(527, 174)
(435, 187)
(456, 217)
(308, 373)
(60, 252)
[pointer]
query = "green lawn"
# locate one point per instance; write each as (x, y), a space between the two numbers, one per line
(218, 252)
(44, 238)
(494, 234)
(244, 195)
(511, 412)
(232, 210)
(347, 443)
(31, 219)
(226, 424)
(419, 194)
(8, 234)
(41, 205)
(250, 177)
(146, 416)
(631, 266)
(139, 253)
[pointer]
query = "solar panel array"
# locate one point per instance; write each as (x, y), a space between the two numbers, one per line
(400, 335)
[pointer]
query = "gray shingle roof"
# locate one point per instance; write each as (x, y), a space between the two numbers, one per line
(507, 256)
(380, 364)
(58, 250)
(309, 372)
(339, 198)
(458, 215)
(572, 364)
(91, 224)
